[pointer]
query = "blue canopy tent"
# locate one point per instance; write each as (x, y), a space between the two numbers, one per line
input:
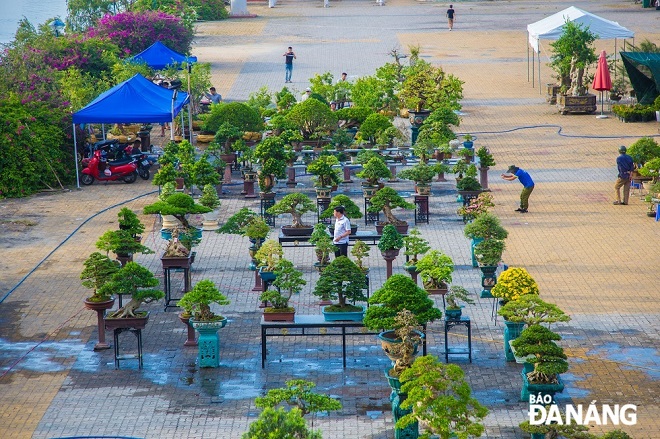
(158, 56)
(134, 100)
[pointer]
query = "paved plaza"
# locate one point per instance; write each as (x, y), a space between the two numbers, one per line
(596, 261)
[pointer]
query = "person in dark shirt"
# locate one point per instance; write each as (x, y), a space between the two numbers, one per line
(526, 180)
(625, 166)
(289, 56)
(450, 16)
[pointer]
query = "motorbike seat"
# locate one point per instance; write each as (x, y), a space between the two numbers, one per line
(121, 162)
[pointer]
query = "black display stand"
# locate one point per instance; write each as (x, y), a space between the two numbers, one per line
(368, 216)
(421, 209)
(321, 205)
(450, 323)
(267, 203)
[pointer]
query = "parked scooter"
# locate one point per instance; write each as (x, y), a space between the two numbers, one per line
(142, 161)
(100, 169)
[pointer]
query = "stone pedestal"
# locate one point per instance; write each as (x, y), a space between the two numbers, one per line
(208, 354)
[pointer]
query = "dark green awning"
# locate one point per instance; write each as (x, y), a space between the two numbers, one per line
(645, 81)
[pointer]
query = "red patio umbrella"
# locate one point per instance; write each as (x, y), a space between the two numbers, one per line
(602, 79)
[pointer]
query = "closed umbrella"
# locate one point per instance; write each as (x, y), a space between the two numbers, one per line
(602, 79)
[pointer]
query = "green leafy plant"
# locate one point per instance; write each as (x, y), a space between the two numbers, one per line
(278, 423)
(98, 270)
(457, 294)
(390, 239)
(486, 159)
(399, 292)
(513, 283)
(532, 310)
(121, 243)
(408, 335)
(427, 87)
(485, 226)
(437, 128)
(415, 245)
(651, 169)
(197, 301)
(373, 126)
(547, 357)
(351, 210)
(489, 252)
(237, 222)
(386, 200)
(568, 428)
(643, 150)
(269, 255)
(313, 118)
(323, 245)
(572, 53)
(322, 168)
(468, 183)
(360, 251)
(271, 155)
(166, 174)
(235, 114)
(459, 168)
(296, 204)
(440, 399)
(374, 170)
(435, 269)
(209, 197)
(299, 394)
(289, 281)
(343, 281)
(203, 172)
(420, 173)
(134, 280)
(353, 116)
(129, 221)
(178, 205)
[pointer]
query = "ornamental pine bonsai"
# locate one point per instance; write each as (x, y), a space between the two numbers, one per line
(343, 281)
(548, 359)
(390, 239)
(435, 269)
(489, 252)
(138, 282)
(514, 283)
(440, 399)
(278, 423)
(296, 204)
(387, 199)
(197, 302)
(269, 255)
(360, 251)
(531, 310)
(121, 243)
(209, 197)
(457, 294)
(130, 222)
(322, 168)
(351, 210)
(399, 292)
(98, 270)
(289, 281)
(300, 394)
(415, 246)
(374, 170)
(178, 205)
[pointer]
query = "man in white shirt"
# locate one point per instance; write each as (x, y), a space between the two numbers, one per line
(306, 95)
(342, 231)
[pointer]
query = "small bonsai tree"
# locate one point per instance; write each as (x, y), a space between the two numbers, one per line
(408, 335)
(134, 280)
(203, 172)
(532, 310)
(343, 281)
(485, 157)
(256, 229)
(399, 292)
(296, 204)
(457, 294)
(269, 255)
(168, 189)
(440, 399)
(485, 226)
(390, 239)
(197, 301)
(323, 244)
(360, 251)
(289, 281)
(489, 252)
(166, 174)
(420, 173)
(651, 169)
(209, 197)
(476, 206)
(121, 243)
(513, 283)
(98, 270)
(415, 246)
(130, 222)
(299, 394)
(373, 126)
(548, 359)
(322, 168)
(272, 156)
(278, 423)
(236, 223)
(374, 170)
(468, 183)
(567, 428)
(178, 205)
(351, 210)
(387, 199)
(435, 269)
(643, 150)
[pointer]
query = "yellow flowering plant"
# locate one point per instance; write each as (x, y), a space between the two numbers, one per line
(514, 283)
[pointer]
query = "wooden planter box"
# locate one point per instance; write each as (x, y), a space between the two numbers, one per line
(576, 104)
(177, 262)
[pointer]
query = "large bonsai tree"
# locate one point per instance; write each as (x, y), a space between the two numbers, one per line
(178, 205)
(296, 204)
(548, 359)
(427, 87)
(197, 302)
(572, 53)
(387, 199)
(98, 270)
(136, 281)
(351, 210)
(313, 118)
(341, 280)
(322, 168)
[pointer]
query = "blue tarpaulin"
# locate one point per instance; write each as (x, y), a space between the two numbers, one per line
(136, 100)
(158, 56)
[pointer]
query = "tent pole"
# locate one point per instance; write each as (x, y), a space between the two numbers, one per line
(103, 130)
(533, 73)
(75, 155)
(189, 69)
(539, 58)
(172, 124)
(614, 60)
(527, 43)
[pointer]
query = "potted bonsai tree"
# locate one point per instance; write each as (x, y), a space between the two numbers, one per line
(530, 309)
(300, 394)
(343, 281)
(327, 177)
(454, 296)
(415, 246)
(268, 256)
(372, 172)
(390, 243)
(439, 399)
(277, 422)
(486, 161)
(138, 282)
(386, 200)
(296, 204)
(210, 200)
(323, 246)
(99, 270)
(435, 269)
(313, 118)
(271, 156)
(129, 221)
(289, 281)
(422, 174)
(351, 211)
(360, 251)
(122, 243)
(179, 205)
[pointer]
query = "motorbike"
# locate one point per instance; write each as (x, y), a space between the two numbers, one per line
(142, 160)
(99, 168)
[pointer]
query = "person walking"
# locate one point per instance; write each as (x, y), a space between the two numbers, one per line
(289, 56)
(526, 180)
(450, 16)
(342, 232)
(625, 166)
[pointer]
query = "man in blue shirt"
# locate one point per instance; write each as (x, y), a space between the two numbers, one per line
(625, 166)
(528, 185)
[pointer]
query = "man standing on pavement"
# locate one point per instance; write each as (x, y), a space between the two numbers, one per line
(450, 16)
(526, 180)
(289, 56)
(625, 166)
(342, 231)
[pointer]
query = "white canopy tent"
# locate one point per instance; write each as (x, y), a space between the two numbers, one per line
(551, 28)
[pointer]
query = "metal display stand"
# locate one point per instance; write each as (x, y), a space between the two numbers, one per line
(421, 209)
(450, 323)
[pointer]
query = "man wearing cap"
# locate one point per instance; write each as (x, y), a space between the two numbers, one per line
(625, 166)
(526, 180)
(306, 95)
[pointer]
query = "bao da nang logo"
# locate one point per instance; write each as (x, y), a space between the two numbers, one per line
(544, 411)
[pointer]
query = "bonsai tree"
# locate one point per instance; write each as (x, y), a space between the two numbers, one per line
(122, 243)
(437, 129)
(197, 301)
(547, 357)
(178, 205)
(351, 210)
(531, 310)
(387, 199)
(651, 169)
(459, 168)
(364, 155)
(289, 281)
(272, 157)
(203, 172)
(269, 255)
(166, 174)
(403, 348)
(457, 294)
(374, 170)
(322, 168)
(343, 281)
(468, 183)
(296, 204)
(374, 126)
(278, 423)
(489, 252)
(137, 281)
(390, 239)
(352, 117)
(513, 283)
(130, 222)
(485, 226)
(299, 394)
(399, 292)
(236, 114)
(486, 159)
(98, 270)
(237, 222)
(567, 428)
(313, 118)
(256, 229)
(476, 206)
(435, 269)
(323, 244)
(168, 189)
(643, 150)
(178, 248)
(420, 173)
(209, 197)
(427, 87)
(415, 246)
(360, 251)
(228, 140)
(440, 399)
(572, 53)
